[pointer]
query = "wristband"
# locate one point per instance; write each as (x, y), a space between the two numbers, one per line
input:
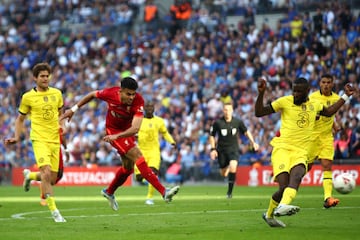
(74, 108)
(345, 97)
(212, 149)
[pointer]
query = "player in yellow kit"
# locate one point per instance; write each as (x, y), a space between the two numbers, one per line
(323, 147)
(290, 153)
(148, 141)
(44, 104)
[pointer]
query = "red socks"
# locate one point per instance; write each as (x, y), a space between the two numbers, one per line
(122, 174)
(149, 175)
(120, 177)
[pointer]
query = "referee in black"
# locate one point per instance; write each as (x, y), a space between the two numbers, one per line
(226, 149)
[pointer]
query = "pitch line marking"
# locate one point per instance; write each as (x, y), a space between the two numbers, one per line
(21, 216)
(136, 198)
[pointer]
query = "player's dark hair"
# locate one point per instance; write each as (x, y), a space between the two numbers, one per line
(301, 80)
(129, 83)
(328, 76)
(41, 67)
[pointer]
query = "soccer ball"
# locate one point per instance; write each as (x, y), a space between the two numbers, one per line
(344, 183)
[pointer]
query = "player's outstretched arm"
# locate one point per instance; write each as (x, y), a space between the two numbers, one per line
(331, 110)
(70, 112)
(19, 123)
(260, 109)
(131, 131)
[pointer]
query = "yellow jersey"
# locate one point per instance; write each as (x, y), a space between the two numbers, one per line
(297, 122)
(148, 135)
(43, 108)
(323, 124)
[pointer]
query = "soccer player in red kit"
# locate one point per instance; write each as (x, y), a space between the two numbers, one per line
(123, 121)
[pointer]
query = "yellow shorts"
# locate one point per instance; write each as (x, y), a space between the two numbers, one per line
(323, 148)
(47, 153)
(152, 159)
(283, 160)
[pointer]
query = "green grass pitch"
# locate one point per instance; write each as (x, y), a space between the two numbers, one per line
(197, 212)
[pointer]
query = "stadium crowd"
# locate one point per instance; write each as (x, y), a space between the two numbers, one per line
(189, 63)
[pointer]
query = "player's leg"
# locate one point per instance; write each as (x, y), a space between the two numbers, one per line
(137, 174)
(120, 178)
(28, 177)
(122, 173)
(288, 176)
(224, 165)
(295, 176)
(49, 153)
(58, 178)
(232, 176)
(153, 161)
(329, 200)
(150, 194)
(283, 180)
(137, 157)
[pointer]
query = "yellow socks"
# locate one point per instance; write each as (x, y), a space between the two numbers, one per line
(288, 195)
(327, 184)
(272, 205)
(150, 193)
(34, 176)
(51, 203)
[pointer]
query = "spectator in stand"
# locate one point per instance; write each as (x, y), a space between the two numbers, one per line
(173, 174)
(214, 106)
(180, 12)
(296, 26)
(342, 146)
(187, 160)
(151, 16)
(355, 147)
(317, 20)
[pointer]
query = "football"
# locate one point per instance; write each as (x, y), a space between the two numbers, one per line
(344, 183)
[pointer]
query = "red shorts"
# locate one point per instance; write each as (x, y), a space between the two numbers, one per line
(61, 167)
(123, 144)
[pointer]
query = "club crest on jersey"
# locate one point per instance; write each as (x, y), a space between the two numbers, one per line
(224, 132)
(303, 107)
(233, 131)
(311, 107)
(46, 99)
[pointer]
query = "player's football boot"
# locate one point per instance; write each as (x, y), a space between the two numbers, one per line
(149, 202)
(286, 210)
(27, 180)
(170, 192)
(57, 216)
(43, 202)
(331, 202)
(272, 222)
(111, 198)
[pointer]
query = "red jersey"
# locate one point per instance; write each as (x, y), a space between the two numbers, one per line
(119, 115)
